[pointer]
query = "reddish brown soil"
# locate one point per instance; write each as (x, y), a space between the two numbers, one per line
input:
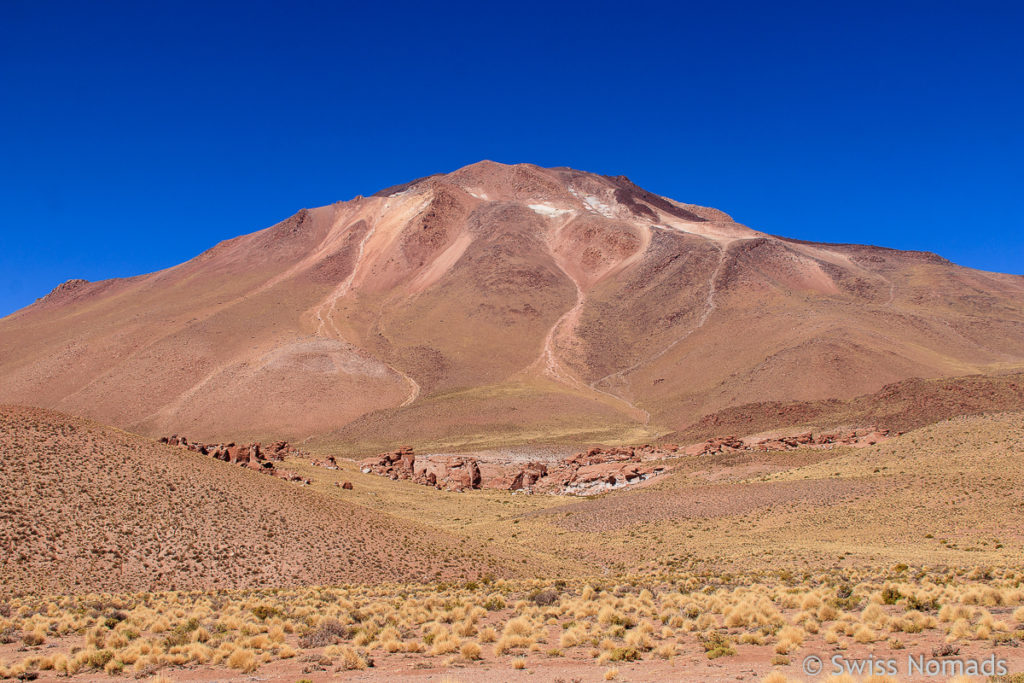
(706, 501)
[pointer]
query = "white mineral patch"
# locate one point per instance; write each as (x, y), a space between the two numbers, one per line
(548, 210)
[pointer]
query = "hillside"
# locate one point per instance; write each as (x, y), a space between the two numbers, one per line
(900, 406)
(946, 493)
(733, 567)
(501, 304)
(88, 508)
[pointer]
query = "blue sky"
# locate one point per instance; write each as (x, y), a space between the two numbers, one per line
(134, 135)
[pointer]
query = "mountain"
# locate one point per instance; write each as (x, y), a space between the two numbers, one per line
(500, 304)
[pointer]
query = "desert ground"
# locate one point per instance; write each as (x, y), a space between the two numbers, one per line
(734, 566)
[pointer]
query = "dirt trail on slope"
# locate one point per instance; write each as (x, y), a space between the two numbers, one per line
(552, 366)
(331, 302)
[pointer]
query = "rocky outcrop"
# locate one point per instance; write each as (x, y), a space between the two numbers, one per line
(328, 463)
(726, 444)
(867, 436)
(253, 455)
(512, 477)
(588, 472)
(454, 473)
(583, 473)
(603, 469)
(66, 291)
(591, 479)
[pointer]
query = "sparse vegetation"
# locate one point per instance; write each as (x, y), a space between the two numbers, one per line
(658, 600)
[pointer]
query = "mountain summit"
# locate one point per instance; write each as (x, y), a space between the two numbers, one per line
(500, 303)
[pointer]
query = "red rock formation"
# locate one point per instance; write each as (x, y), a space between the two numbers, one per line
(252, 455)
(327, 463)
(592, 471)
(596, 478)
(462, 473)
(857, 437)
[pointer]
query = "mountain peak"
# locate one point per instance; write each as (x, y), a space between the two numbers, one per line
(509, 299)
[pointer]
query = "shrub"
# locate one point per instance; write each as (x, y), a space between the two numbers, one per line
(328, 633)
(518, 627)
(264, 612)
(922, 604)
(33, 638)
(622, 654)
(243, 660)
(864, 634)
(352, 660)
(494, 603)
(716, 645)
(545, 597)
(99, 658)
(470, 650)
(790, 638)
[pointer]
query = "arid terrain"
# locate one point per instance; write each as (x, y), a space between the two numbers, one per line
(733, 566)
(91, 508)
(544, 425)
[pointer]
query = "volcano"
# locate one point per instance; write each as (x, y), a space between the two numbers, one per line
(500, 304)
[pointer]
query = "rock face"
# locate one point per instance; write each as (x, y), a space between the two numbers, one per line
(867, 436)
(454, 473)
(586, 473)
(600, 469)
(253, 456)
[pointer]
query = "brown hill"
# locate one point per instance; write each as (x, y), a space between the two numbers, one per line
(900, 406)
(90, 508)
(501, 303)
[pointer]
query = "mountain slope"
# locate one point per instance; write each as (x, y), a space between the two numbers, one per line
(90, 508)
(501, 303)
(901, 406)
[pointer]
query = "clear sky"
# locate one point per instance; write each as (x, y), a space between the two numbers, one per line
(134, 135)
